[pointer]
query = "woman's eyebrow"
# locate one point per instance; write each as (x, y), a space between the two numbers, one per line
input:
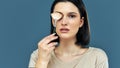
(68, 12)
(72, 13)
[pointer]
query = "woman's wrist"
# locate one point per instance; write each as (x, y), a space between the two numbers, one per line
(41, 64)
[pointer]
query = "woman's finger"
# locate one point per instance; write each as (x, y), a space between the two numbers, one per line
(44, 39)
(52, 44)
(51, 39)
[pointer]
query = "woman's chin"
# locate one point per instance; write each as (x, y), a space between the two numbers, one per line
(65, 36)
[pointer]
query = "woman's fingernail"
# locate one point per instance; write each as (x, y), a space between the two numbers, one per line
(53, 33)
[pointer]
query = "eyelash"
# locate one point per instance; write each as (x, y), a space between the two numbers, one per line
(71, 16)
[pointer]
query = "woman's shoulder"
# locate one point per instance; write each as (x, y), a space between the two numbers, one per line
(95, 49)
(98, 52)
(35, 53)
(33, 58)
(100, 56)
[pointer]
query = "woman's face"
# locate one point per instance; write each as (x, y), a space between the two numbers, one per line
(68, 26)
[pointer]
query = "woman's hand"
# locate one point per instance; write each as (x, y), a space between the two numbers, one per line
(45, 47)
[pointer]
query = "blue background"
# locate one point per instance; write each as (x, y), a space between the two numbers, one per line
(24, 22)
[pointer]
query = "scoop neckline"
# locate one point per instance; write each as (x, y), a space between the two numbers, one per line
(75, 60)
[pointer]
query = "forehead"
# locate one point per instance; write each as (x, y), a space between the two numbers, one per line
(66, 7)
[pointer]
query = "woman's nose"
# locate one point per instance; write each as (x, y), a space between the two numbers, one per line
(64, 21)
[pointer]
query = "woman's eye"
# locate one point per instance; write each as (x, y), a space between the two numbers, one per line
(72, 16)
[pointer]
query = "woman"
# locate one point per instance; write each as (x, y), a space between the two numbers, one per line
(69, 47)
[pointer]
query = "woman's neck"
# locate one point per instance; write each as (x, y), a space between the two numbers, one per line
(67, 47)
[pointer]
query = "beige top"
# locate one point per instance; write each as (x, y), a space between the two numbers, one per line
(92, 58)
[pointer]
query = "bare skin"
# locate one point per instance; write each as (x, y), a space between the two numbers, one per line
(67, 47)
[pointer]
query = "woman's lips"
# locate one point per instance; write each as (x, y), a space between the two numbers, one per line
(64, 30)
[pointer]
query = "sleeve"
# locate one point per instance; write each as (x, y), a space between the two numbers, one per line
(33, 59)
(101, 59)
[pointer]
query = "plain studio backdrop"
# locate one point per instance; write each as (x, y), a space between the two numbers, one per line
(24, 22)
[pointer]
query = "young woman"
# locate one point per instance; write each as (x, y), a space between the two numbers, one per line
(70, 47)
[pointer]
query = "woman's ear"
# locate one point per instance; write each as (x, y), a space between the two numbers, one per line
(81, 22)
